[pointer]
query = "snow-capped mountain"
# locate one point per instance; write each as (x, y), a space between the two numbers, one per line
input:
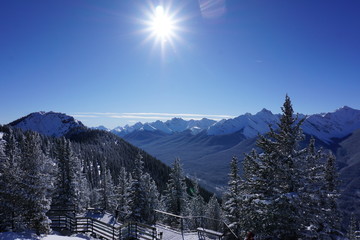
(336, 124)
(48, 123)
(101, 127)
(250, 125)
(175, 125)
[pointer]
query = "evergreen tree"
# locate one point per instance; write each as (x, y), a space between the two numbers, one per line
(108, 192)
(353, 228)
(214, 215)
(233, 206)
(122, 192)
(36, 183)
(277, 179)
(137, 197)
(330, 195)
(197, 203)
(175, 195)
(196, 207)
(312, 194)
(10, 178)
(71, 184)
(152, 198)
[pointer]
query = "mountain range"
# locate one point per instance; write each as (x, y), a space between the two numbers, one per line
(206, 146)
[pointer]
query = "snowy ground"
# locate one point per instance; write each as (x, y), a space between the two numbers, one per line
(170, 234)
(103, 217)
(33, 236)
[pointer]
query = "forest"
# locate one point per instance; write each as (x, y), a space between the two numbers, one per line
(279, 191)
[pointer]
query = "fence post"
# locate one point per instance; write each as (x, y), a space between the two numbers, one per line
(129, 229)
(182, 225)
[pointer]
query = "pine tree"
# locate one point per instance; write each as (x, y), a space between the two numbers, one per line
(330, 195)
(196, 207)
(137, 197)
(10, 178)
(122, 191)
(276, 179)
(175, 195)
(311, 195)
(36, 183)
(214, 214)
(108, 192)
(176, 198)
(353, 228)
(197, 203)
(71, 184)
(152, 196)
(232, 206)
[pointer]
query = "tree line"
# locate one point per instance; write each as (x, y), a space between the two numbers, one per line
(279, 191)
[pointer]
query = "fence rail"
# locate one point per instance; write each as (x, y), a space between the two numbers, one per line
(106, 231)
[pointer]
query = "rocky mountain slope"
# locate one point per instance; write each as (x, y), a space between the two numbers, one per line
(48, 123)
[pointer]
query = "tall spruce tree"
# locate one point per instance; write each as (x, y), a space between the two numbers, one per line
(330, 195)
(233, 206)
(197, 203)
(71, 185)
(214, 214)
(152, 196)
(36, 183)
(108, 196)
(176, 197)
(11, 195)
(312, 185)
(122, 191)
(276, 178)
(137, 196)
(353, 228)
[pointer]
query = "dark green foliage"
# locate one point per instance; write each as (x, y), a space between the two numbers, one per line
(97, 146)
(285, 191)
(175, 195)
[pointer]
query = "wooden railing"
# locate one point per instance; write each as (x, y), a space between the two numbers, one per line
(104, 230)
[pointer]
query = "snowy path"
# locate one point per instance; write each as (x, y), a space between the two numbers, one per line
(170, 234)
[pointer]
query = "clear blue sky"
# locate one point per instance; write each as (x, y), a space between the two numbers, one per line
(89, 58)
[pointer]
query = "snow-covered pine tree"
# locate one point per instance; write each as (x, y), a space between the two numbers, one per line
(10, 178)
(122, 191)
(152, 198)
(313, 183)
(137, 197)
(353, 228)
(277, 180)
(214, 214)
(175, 196)
(330, 195)
(196, 206)
(233, 206)
(36, 183)
(71, 185)
(107, 191)
(196, 202)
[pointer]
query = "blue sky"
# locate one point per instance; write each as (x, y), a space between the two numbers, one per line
(95, 59)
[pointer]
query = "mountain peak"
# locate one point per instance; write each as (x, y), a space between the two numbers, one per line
(345, 108)
(47, 123)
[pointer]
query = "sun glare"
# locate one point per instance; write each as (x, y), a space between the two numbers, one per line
(163, 26)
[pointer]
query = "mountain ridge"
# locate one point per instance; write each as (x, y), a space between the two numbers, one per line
(324, 126)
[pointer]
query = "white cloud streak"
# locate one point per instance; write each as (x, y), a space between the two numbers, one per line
(149, 116)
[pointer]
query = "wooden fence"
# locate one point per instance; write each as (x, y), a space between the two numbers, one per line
(97, 228)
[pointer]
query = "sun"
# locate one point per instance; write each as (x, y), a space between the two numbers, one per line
(163, 26)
